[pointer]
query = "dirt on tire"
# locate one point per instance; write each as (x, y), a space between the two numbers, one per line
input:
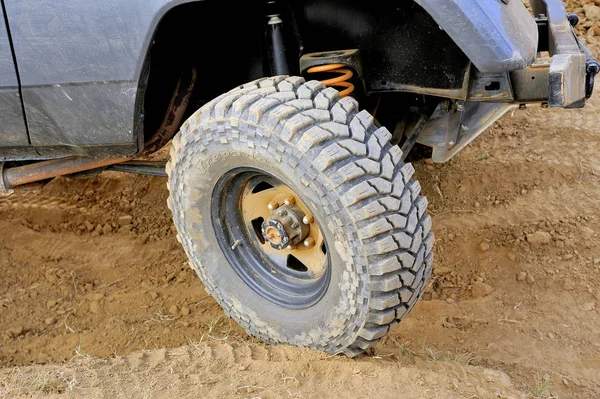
(97, 297)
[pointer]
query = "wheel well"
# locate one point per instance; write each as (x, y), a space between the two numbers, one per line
(198, 35)
(225, 43)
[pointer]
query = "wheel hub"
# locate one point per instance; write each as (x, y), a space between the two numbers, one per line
(284, 227)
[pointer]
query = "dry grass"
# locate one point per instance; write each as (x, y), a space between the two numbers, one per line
(160, 318)
(425, 352)
(540, 389)
(17, 382)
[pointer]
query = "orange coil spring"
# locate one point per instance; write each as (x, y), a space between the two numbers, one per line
(339, 81)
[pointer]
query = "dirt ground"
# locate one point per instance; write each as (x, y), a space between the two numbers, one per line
(97, 298)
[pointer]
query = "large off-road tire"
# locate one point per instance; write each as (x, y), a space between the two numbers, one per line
(366, 207)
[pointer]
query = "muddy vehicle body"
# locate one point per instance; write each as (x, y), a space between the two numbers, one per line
(296, 206)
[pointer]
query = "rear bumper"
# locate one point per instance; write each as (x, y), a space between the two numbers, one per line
(562, 78)
(572, 67)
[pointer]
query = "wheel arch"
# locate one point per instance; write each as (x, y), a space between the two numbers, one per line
(144, 66)
(175, 43)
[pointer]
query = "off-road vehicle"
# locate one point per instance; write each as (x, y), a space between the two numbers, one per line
(291, 194)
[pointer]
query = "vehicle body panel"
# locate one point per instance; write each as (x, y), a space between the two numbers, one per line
(14, 132)
(80, 64)
(496, 35)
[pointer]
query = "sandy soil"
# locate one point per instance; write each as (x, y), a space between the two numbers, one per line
(97, 298)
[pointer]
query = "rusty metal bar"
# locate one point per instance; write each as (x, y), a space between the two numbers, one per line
(148, 168)
(20, 175)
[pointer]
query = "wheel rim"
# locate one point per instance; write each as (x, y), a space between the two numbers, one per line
(270, 238)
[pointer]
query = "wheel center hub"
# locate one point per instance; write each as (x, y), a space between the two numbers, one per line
(284, 227)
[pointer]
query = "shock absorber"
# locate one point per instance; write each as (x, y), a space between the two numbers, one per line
(278, 62)
(342, 80)
(282, 46)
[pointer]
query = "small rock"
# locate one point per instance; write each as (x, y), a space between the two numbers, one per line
(512, 256)
(480, 290)
(530, 279)
(51, 303)
(142, 239)
(521, 276)
(539, 238)
(586, 232)
(125, 220)
(16, 331)
(356, 371)
(592, 12)
(567, 257)
(597, 261)
(50, 321)
(449, 300)
(589, 306)
(441, 270)
(107, 229)
(89, 226)
(95, 307)
(125, 229)
(185, 311)
(174, 310)
(568, 284)
(551, 336)
(484, 246)
(42, 358)
(565, 381)
(51, 276)
(153, 294)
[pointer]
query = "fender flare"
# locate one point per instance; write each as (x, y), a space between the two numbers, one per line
(496, 35)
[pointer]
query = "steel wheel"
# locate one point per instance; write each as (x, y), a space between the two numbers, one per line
(270, 238)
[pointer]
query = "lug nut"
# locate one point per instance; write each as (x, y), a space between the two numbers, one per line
(290, 200)
(273, 205)
(309, 242)
(308, 219)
